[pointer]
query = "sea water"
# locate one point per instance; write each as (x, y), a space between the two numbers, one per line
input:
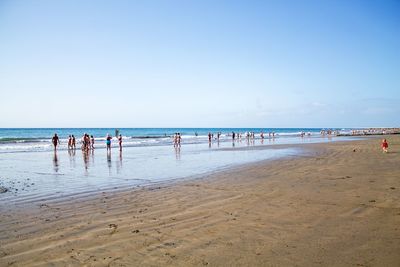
(39, 139)
(31, 170)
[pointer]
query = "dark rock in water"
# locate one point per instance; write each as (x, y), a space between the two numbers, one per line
(3, 189)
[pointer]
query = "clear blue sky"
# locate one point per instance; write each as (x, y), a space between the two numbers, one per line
(199, 63)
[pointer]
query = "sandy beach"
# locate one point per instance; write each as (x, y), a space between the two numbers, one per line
(331, 206)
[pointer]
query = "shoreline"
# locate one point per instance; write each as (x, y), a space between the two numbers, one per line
(14, 197)
(331, 206)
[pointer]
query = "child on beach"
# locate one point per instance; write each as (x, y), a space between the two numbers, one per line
(384, 146)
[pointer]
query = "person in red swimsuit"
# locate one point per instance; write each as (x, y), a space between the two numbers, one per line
(384, 146)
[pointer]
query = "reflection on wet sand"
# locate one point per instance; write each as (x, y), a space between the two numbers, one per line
(119, 163)
(85, 156)
(71, 153)
(109, 161)
(178, 153)
(55, 162)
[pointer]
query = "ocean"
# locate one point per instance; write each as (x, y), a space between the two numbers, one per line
(39, 139)
(31, 170)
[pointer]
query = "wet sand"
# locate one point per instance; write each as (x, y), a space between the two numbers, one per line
(328, 207)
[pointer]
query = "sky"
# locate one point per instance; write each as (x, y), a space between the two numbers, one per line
(199, 63)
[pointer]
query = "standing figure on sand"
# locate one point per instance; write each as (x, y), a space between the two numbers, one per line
(384, 146)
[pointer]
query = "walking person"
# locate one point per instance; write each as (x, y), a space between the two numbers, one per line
(56, 141)
(384, 146)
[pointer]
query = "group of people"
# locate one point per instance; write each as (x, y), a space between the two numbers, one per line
(238, 136)
(177, 139)
(87, 142)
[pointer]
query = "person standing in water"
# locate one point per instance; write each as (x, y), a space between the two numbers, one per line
(179, 139)
(69, 142)
(120, 142)
(175, 139)
(92, 142)
(108, 142)
(73, 142)
(56, 141)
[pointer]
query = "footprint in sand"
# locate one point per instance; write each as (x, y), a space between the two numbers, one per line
(114, 228)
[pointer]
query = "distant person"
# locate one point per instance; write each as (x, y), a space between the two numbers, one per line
(233, 135)
(209, 137)
(179, 139)
(69, 141)
(56, 141)
(175, 139)
(108, 142)
(262, 135)
(92, 142)
(384, 145)
(120, 142)
(73, 142)
(88, 142)
(83, 141)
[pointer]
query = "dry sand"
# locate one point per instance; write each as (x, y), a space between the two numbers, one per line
(330, 207)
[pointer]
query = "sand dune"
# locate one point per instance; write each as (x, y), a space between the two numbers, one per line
(328, 207)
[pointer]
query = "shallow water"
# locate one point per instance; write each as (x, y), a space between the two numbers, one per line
(31, 175)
